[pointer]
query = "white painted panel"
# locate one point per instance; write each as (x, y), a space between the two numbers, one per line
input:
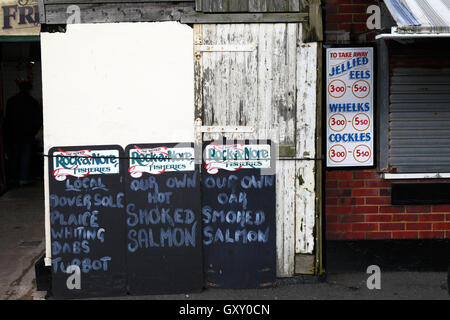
(117, 83)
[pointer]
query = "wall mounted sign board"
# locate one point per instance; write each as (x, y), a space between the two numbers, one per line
(238, 213)
(87, 212)
(164, 250)
(349, 98)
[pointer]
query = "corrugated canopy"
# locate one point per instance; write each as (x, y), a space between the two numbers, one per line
(420, 16)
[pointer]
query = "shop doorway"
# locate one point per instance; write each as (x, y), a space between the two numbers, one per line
(21, 163)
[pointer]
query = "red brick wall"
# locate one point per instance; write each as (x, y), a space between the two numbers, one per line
(358, 206)
(348, 16)
(358, 202)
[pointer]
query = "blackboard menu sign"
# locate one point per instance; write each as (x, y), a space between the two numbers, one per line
(87, 215)
(238, 214)
(164, 249)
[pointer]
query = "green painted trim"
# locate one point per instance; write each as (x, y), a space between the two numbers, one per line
(19, 38)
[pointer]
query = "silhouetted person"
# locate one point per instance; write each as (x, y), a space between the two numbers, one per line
(23, 120)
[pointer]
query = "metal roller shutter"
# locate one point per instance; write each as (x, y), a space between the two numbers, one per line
(419, 118)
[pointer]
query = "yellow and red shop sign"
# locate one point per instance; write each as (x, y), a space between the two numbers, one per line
(19, 18)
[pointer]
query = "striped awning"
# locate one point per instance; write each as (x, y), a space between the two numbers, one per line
(420, 16)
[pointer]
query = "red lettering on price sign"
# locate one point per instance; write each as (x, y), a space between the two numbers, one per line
(361, 89)
(337, 88)
(337, 122)
(362, 153)
(337, 153)
(361, 122)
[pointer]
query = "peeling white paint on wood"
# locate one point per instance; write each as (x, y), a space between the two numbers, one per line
(271, 89)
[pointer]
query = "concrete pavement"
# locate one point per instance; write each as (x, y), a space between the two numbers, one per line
(346, 286)
(22, 243)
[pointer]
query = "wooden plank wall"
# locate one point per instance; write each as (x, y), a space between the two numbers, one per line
(250, 5)
(273, 90)
(219, 6)
(305, 145)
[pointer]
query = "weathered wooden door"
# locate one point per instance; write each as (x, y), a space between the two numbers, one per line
(264, 76)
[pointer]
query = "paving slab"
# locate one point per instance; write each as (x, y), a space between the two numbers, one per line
(22, 240)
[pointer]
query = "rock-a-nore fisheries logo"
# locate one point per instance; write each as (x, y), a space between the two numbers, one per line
(160, 159)
(82, 163)
(236, 156)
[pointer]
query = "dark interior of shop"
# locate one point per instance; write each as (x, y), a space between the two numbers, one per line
(21, 162)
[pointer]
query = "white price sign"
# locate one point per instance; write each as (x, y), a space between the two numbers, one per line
(349, 85)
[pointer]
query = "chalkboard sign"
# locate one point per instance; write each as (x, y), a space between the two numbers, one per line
(87, 215)
(164, 250)
(238, 214)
